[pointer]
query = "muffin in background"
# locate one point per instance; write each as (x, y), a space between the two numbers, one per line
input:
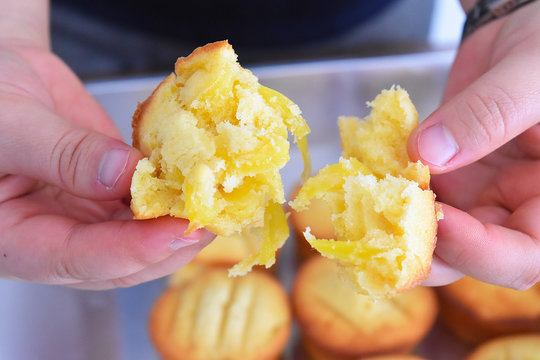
(515, 347)
(187, 273)
(318, 218)
(476, 311)
(215, 317)
(338, 323)
(229, 250)
(394, 357)
(222, 252)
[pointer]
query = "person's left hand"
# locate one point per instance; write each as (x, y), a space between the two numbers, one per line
(65, 175)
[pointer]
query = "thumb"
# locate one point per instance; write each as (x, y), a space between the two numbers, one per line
(46, 147)
(498, 106)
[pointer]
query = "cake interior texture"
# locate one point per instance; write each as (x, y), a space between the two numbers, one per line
(214, 140)
(383, 213)
(213, 316)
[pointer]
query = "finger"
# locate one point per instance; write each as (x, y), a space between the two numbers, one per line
(71, 99)
(173, 263)
(472, 59)
(492, 253)
(479, 183)
(441, 273)
(71, 252)
(491, 111)
(460, 188)
(44, 146)
(513, 185)
(48, 79)
(529, 142)
(14, 186)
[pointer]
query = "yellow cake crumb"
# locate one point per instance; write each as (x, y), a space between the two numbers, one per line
(384, 220)
(214, 140)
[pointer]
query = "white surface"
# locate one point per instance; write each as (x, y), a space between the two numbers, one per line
(45, 322)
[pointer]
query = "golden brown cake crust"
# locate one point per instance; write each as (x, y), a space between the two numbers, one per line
(522, 347)
(192, 306)
(142, 107)
(139, 115)
(214, 141)
(337, 323)
(477, 311)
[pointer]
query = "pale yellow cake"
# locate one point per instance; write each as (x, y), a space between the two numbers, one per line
(215, 317)
(379, 140)
(229, 250)
(214, 140)
(384, 216)
(223, 251)
(337, 323)
(517, 347)
(476, 311)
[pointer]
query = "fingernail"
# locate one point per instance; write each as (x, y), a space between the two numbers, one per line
(436, 145)
(197, 234)
(112, 166)
(180, 242)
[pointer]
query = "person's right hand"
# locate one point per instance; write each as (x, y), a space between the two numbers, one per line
(483, 144)
(64, 175)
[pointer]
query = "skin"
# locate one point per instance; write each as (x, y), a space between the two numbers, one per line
(64, 217)
(490, 188)
(63, 214)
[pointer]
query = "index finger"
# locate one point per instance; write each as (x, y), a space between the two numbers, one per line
(57, 250)
(506, 255)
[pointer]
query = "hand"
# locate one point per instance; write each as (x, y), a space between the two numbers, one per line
(64, 175)
(484, 142)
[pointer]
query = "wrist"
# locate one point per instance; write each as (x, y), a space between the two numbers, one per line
(25, 22)
(483, 12)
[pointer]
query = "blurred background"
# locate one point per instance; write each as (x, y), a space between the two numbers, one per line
(120, 38)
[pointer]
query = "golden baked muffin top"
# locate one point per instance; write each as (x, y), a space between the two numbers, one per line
(517, 347)
(216, 317)
(223, 251)
(214, 140)
(394, 357)
(384, 219)
(317, 217)
(187, 273)
(229, 250)
(335, 317)
(489, 302)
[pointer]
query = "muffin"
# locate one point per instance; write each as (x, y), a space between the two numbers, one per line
(516, 347)
(476, 311)
(394, 357)
(317, 217)
(215, 317)
(214, 141)
(187, 273)
(229, 250)
(338, 323)
(383, 215)
(222, 252)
